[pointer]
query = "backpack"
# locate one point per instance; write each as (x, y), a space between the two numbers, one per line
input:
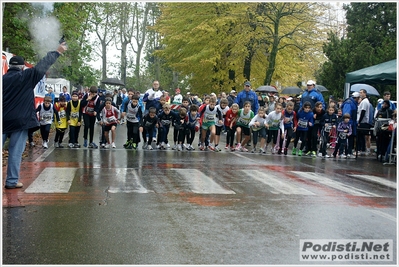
(371, 114)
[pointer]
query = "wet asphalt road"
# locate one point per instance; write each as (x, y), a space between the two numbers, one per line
(169, 207)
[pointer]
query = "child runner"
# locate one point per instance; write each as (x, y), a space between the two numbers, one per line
(90, 104)
(230, 123)
(328, 123)
(60, 106)
(344, 130)
(46, 113)
(147, 127)
(110, 115)
(203, 105)
(244, 117)
(304, 120)
(180, 123)
(166, 118)
(209, 115)
(257, 125)
(274, 124)
(290, 120)
(223, 108)
(193, 125)
(74, 118)
(132, 112)
(314, 131)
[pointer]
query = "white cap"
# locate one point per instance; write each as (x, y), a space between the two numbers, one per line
(356, 94)
(311, 82)
(289, 98)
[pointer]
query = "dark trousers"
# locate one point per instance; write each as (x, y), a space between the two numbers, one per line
(59, 135)
(230, 135)
(148, 132)
(89, 122)
(341, 145)
(74, 134)
(45, 131)
(361, 136)
(300, 135)
(190, 136)
(163, 133)
(287, 137)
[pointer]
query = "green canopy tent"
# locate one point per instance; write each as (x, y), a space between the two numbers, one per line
(384, 73)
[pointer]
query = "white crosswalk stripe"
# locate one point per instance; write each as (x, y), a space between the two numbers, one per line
(127, 181)
(375, 179)
(317, 177)
(53, 180)
(276, 184)
(200, 183)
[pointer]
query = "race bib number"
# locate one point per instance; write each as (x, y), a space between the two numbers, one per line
(111, 119)
(74, 115)
(131, 116)
(62, 114)
(302, 123)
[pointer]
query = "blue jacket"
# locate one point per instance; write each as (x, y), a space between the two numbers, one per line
(350, 106)
(248, 96)
(303, 119)
(19, 112)
(312, 96)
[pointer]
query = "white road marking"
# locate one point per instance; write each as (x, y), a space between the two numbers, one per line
(200, 183)
(336, 185)
(375, 179)
(127, 181)
(385, 215)
(277, 185)
(53, 180)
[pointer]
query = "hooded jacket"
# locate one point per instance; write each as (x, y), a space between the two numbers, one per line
(19, 112)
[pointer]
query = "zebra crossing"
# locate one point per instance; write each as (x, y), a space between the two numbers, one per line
(131, 180)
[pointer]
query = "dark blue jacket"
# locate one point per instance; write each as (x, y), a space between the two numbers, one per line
(350, 106)
(19, 111)
(248, 96)
(312, 96)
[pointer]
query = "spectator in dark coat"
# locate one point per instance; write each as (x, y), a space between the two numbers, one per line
(19, 114)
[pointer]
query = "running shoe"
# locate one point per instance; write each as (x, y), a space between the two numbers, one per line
(217, 149)
(211, 147)
(149, 147)
(294, 151)
(300, 153)
(243, 149)
(45, 145)
(85, 143)
(285, 151)
(113, 145)
(261, 151)
(253, 150)
(106, 146)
